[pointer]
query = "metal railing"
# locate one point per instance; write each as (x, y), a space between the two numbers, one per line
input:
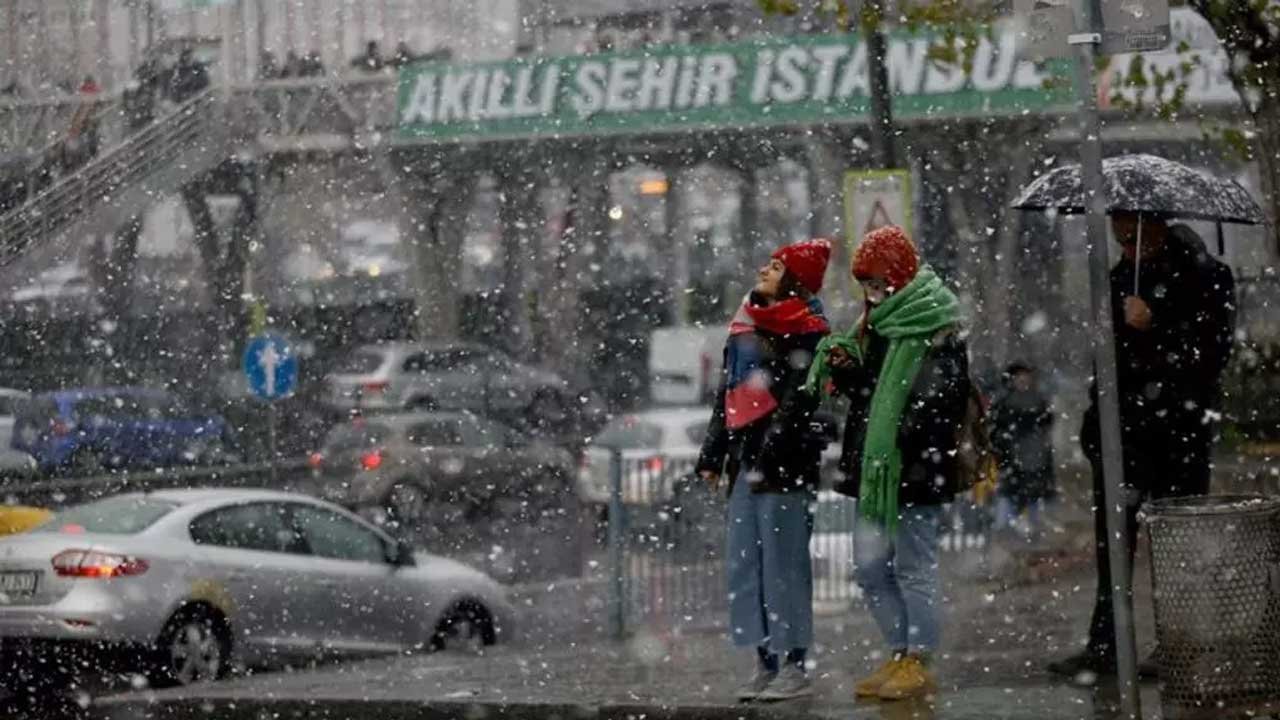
(159, 144)
(665, 532)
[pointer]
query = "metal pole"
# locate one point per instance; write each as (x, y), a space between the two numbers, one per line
(617, 615)
(1105, 363)
(271, 441)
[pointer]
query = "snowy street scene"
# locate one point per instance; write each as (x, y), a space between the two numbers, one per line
(621, 359)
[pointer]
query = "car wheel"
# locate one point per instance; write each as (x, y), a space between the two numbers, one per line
(194, 647)
(85, 463)
(467, 626)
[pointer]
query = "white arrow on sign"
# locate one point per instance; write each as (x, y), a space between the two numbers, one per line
(270, 360)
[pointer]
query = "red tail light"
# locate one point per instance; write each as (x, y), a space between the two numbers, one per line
(371, 460)
(315, 460)
(655, 464)
(93, 564)
(374, 388)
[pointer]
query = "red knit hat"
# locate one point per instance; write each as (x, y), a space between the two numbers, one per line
(807, 261)
(887, 252)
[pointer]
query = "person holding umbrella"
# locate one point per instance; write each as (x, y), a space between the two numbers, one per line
(1168, 354)
(1172, 323)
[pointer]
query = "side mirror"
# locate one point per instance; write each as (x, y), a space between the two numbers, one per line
(403, 555)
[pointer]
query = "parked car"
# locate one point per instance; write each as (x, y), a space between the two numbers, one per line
(685, 364)
(90, 430)
(16, 519)
(435, 471)
(447, 376)
(658, 448)
(183, 585)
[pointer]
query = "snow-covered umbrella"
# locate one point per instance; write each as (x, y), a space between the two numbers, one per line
(1149, 186)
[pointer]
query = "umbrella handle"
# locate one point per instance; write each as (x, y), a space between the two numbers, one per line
(1137, 258)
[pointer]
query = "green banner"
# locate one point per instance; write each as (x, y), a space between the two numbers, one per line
(791, 81)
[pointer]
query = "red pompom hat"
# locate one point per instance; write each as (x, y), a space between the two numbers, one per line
(888, 253)
(807, 261)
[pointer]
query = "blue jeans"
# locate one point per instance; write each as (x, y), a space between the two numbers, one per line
(899, 577)
(769, 572)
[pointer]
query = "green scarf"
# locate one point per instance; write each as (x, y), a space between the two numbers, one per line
(908, 319)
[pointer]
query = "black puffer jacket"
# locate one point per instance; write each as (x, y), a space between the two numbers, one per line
(785, 447)
(930, 425)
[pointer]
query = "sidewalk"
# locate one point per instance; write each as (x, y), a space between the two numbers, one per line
(1000, 635)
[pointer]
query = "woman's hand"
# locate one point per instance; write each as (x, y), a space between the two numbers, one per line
(711, 478)
(840, 358)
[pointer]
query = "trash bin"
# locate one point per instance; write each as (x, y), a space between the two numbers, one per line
(1215, 571)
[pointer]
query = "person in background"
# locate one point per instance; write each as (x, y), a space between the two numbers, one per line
(81, 143)
(404, 55)
(905, 370)
(312, 65)
(762, 440)
(1021, 432)
(188, 78)
(1173, 319)
(292, 65)
(268, 68)
(371, 60)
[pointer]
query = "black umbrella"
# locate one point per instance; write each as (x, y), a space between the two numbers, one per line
(1146, 184)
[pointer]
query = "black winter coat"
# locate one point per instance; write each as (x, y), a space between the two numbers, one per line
(1021, 422)
(930, 424)
(786, 446)
(1170, 374)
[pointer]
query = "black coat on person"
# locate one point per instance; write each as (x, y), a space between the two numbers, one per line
(1021, 422)
(1170, 375)
(784, 447)
(929, 430)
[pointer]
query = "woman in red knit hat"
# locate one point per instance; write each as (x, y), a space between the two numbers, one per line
(905, 371)
(760, 438)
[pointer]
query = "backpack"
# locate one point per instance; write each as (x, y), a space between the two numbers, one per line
(976, 467)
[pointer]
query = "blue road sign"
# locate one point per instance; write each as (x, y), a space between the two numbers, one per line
(270, 366)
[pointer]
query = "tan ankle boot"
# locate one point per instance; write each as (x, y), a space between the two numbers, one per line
(870, 685)
(912, 680)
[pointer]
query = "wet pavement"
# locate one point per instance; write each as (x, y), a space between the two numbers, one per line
(1000, 633)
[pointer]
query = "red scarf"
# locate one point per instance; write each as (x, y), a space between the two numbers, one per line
(792, 316)
(748, 395)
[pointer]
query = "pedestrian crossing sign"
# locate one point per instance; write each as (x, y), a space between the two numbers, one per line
(875, 198)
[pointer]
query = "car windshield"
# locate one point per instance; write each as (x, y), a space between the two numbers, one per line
(628, 433)
(124, 515)
(356, 437)
(363, 361)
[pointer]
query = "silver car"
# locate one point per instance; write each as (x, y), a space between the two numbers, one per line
(183, 585)
(446, 376)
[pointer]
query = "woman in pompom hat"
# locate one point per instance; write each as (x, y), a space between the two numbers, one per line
(905, 371)
(761, 439)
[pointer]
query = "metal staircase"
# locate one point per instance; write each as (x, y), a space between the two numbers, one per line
(175, 149)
